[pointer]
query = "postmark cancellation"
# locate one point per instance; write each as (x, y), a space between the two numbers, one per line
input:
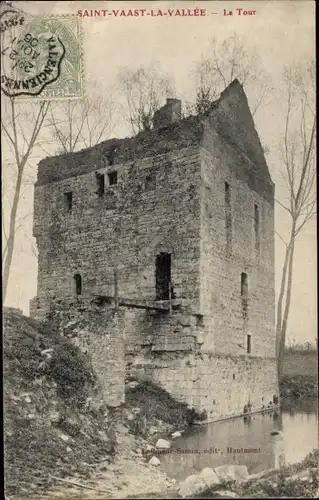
(41, 56)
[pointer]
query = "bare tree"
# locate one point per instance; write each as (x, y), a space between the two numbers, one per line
(297, 150)
(224, 62)
(144, 91)
(20, 131)
(77, 124)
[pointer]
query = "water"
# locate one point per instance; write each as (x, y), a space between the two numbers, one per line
(209, 445)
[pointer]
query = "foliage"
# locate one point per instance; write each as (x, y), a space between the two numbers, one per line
(312, 459)
(144, 91)
(223, 62)
(78, 124)
(157, 405)
(298, 168)
(286, 483)
(299, 386)
(21, 126)
(294, 481)
(297, 363)
(71, 371)
(300, 347)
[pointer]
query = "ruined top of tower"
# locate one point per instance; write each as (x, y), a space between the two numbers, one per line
(168, 114)
(229, 118)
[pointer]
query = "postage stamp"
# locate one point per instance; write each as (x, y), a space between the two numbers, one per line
(41, 56)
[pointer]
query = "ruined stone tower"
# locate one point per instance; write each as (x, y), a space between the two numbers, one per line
(185, 215)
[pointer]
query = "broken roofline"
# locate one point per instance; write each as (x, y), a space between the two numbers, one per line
(186, 132)
(111, 145)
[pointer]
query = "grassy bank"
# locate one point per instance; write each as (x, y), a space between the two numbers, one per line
(298, 386)
(50, 427)
(295, 481)
(300, 374)
(297, 362)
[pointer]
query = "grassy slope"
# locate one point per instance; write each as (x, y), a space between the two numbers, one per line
(283, 483)
(49, 428)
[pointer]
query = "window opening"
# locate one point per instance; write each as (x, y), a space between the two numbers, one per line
(256, 228)
(78, 284)
(228, 218)
(112, 178)
(163, 275)
(248, 344)
(100, 179)
(244, 294)
(68, 197)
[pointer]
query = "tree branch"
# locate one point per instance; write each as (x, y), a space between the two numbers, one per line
(283, 206)
(285, 243)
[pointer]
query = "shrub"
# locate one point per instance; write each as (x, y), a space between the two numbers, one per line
(157, 404)
(71, 371)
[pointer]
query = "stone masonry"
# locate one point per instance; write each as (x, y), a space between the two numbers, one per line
(184, 214)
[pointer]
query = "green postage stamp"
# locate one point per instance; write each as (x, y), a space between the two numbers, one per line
(41, 56)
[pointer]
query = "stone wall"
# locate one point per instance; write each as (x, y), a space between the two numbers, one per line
(148, 332)
(227, 252)
(98, 332)
(172, 351)
(220, 385)
(154, 208)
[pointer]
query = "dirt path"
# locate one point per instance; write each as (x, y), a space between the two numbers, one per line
(127, 476)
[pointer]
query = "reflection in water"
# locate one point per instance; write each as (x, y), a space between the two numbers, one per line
(279, 452)
(247, 420)
(245, 441)
(300, 435)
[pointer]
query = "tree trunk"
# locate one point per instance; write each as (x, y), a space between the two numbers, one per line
(12, 234)
(287, 308)
(281, 298)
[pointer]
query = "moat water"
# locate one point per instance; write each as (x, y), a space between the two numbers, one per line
(251, 441)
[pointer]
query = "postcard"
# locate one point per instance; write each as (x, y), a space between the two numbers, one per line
(159, 249)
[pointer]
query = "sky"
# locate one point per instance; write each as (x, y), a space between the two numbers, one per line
(281, 31)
